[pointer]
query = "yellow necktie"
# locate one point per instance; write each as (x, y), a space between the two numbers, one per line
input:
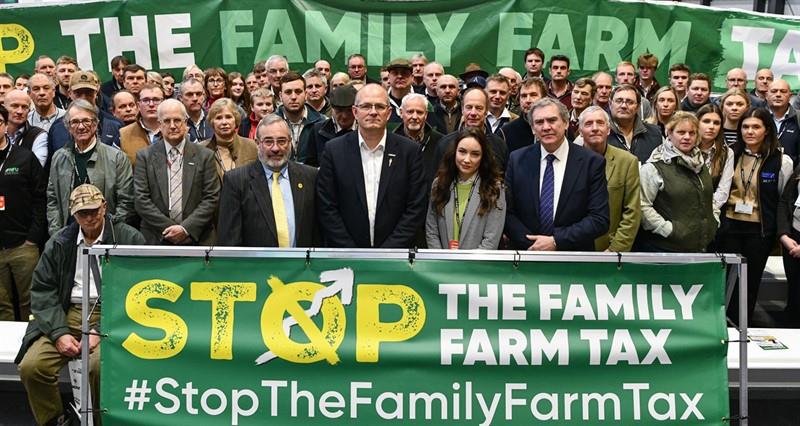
(278, 209)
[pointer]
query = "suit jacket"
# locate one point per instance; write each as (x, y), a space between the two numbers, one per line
(342, 200)
(132, 139)
(243, 152)
(246, 217)
(582, 211)
(625, 209)
(476, 232)
(200, 192)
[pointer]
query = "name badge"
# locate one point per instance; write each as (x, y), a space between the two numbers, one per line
(2, 203)
(743, 208)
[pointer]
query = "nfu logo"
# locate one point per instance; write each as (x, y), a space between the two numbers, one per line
(22, 51)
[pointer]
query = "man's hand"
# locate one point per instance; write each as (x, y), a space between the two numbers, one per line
(94, 341)
(68, 346)
(174, 234)
(790, 245)
(541, 243)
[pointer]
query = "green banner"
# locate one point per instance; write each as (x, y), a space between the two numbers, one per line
(595, 35)
(360, 341)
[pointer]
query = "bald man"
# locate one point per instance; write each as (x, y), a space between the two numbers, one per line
(736, 78)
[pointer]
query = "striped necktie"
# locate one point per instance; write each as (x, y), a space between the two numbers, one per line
(279, 211)
(546, 198)
(175, 185)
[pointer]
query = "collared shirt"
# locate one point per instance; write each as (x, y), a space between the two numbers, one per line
(44, 122)
(559, 168)
(286, 194)
(198, 130)
(39, 147)
(371, 164)
(296, 128)
(76, 295)
(152, 135)
(495, 122)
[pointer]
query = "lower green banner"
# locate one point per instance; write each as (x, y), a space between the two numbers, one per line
(247, 341)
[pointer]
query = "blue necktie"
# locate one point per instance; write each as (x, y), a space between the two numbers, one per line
(546, 199)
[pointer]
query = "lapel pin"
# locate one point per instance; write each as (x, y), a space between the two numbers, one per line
(299, 186)
(391, 158)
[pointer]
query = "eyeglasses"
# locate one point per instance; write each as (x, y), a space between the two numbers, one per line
(270, 142)
(215, 81)
(626, 102)
(151, 101)
(86, 122)
(369, 107)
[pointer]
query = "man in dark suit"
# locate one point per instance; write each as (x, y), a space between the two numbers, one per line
(176, 184)
(250, 214)
(370, 184)
(557, 194)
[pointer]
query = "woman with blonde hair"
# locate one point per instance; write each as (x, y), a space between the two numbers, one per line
(665, 104)
(734, 103)
(230, 149)
(677, 193)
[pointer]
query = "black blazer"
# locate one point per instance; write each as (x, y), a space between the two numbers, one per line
(582, 211)
(246, 217)
(342, 202)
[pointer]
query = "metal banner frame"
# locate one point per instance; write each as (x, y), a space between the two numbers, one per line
(737, 263)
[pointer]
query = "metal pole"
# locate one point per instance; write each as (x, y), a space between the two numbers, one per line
(743, 411)
(85, 338)
(776, 6)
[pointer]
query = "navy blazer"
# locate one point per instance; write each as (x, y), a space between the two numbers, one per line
(341, 195)
(582, 211)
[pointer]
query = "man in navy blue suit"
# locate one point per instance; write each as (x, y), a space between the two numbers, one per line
(557, 195)
(370, 185)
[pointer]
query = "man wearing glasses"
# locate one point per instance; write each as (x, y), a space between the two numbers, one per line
(54, 336)
(628, 131)
(87, 160)
(370, 186)
(146, 130)
(269, 202)
(176, 184)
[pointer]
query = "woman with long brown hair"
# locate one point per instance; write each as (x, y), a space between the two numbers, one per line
(239, 92)
(718, 157)
(749, 223)
(467, 207)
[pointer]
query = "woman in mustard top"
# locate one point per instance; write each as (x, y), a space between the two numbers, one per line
(467, 207)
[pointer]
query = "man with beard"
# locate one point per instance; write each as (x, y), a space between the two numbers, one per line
(124, 107)
(413, 111)
(298, 116)
(175, 184)
(273, 188)
(65, 67)
(42, 91)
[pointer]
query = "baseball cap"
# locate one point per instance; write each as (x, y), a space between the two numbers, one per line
(85, 197)
(476, 81)
(84, 80)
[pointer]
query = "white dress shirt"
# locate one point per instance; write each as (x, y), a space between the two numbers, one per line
(76, 296)
(559, 168)
(371, 164)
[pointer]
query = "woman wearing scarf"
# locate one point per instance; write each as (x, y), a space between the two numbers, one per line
(677, 204)
(749, 223)
(230, 149)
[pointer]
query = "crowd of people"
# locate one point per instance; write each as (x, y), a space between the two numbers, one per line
(416, 159)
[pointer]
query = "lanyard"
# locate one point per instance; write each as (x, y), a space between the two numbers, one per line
(460, 217)
(746, 184)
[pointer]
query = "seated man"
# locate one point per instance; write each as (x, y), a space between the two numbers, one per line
(54, 333)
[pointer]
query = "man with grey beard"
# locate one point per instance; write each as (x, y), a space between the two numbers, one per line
(275, 188)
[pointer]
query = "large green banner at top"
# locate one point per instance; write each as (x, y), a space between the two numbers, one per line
(595, 35)
(373, 342)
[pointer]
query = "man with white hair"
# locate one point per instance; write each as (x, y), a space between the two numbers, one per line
(277, 67)
(42, 91)
(418, 63)
(514, 80)
(622, 174)
(176, 184)
(414, 113)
